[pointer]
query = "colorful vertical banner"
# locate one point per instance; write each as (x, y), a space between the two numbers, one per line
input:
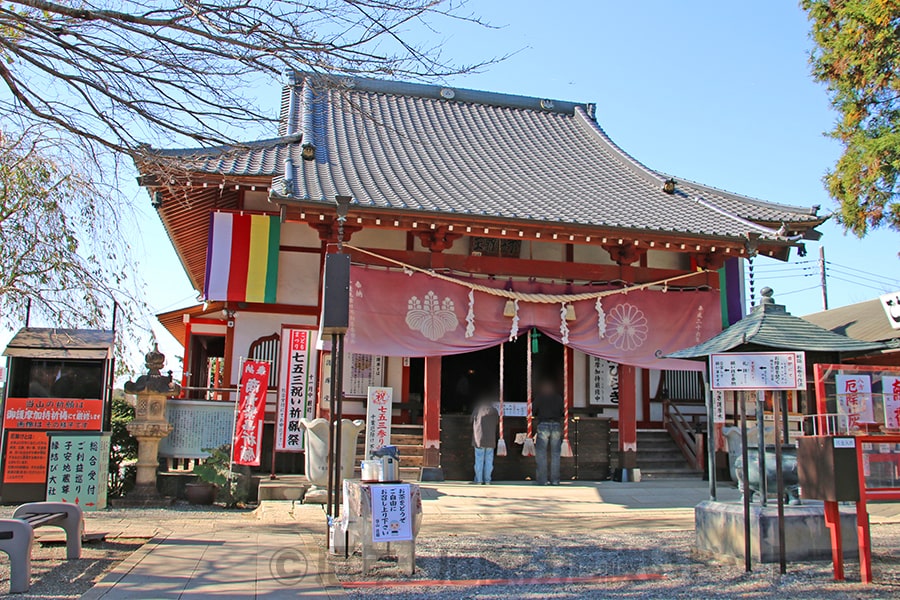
(297, 396)
(242, 257)
(78, 469)
(378, 418)
(248, 427)
(890, 390)
(854, 399)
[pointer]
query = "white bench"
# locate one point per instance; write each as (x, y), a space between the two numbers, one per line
(17, 536)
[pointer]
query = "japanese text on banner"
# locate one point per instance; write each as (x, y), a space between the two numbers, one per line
(296, 399)
(251, 409)
(378, 418)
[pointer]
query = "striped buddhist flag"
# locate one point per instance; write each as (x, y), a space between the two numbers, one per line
(242, 257)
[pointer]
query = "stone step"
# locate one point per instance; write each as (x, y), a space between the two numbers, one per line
(406, 460)
(403, 439)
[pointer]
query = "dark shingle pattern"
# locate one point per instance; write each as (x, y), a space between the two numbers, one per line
(771, 326)
(395, 145)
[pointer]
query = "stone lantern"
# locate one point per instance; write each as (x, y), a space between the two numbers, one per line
(149, 425)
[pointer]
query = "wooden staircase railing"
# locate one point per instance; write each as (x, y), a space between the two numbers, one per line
(690, 443)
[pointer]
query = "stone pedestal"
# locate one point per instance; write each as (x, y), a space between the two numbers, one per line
(720, 531)
(149, 427)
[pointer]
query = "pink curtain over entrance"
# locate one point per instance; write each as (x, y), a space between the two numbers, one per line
(393, 313)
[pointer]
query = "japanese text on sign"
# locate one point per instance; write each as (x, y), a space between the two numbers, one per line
(77, 470)
(378, 418)
(297, 395)
(854, 395)
(391, 513)
(604, 382)
(196, 424)
(758, 371)
(248, 426)
(890, 387)
(26, 457)
(74, 414)
(718, 399)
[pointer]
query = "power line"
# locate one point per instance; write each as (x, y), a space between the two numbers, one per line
(815, 287)
(849, 273)
(864, 285)
(855, 270)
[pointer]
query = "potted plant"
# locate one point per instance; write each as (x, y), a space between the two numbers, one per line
(216, 480)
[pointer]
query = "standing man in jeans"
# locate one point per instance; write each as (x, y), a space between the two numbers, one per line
(485, 420)
(548, 411)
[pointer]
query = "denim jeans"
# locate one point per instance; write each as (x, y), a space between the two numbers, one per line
(484, 464)
(548, 432)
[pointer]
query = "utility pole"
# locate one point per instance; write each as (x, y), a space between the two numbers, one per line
(824, 281)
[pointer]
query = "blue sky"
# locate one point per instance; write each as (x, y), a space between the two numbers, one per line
(717, 92)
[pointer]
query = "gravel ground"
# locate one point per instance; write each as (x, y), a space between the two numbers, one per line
(665, 554)
(54, 577)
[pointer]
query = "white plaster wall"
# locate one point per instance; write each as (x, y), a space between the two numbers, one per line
(591, 254)
(299, 234)
(580, 381)
(379, 238)
(258, 200)
(394, 376)
(639, 393)
(298, 278)
(662, 259)
(655, 407)
(543, 250)
(249, 326)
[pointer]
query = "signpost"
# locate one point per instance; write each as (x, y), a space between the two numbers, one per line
(760, 371)
(77, 469)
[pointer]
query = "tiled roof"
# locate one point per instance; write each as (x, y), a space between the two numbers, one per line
(863, 321)
(769, 325)
(263, 157)
(394, 145)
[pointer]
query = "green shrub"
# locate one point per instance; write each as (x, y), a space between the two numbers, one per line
(232, 486)
(123, 448)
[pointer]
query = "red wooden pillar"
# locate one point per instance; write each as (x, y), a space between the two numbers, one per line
(627, 470)
(432, 412)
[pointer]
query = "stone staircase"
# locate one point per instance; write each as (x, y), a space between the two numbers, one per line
(658, 456)
(409, 441)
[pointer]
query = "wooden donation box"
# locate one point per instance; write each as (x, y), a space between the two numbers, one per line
(383, 519)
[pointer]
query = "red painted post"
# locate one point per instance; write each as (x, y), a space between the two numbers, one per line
(627, 422)
(863, 539)
(432, 411)
(833, 522)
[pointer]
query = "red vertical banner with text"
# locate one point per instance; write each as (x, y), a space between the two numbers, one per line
(248, 427)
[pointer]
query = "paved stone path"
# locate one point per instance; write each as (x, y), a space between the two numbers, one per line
(275, 551)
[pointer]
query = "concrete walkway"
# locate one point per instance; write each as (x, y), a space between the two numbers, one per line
(278, 550)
